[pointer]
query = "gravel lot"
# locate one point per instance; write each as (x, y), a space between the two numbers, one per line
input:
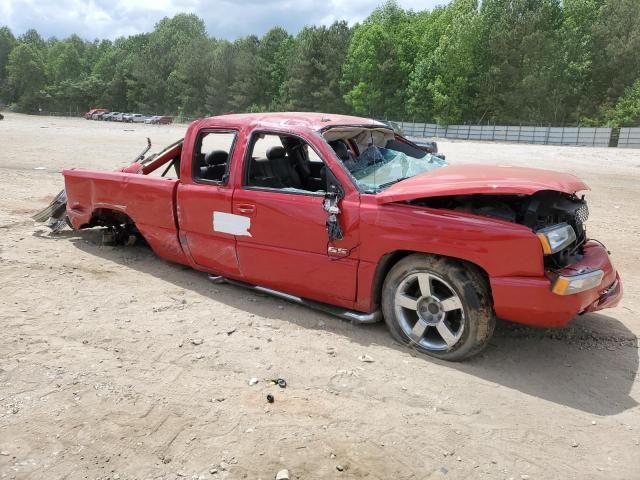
(116, 364)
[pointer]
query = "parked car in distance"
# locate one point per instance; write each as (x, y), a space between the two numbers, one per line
(159, 120)
(134, 118)
(98, 116)
(342, 214)
(93, 111)
(109, 116)
(118, 117)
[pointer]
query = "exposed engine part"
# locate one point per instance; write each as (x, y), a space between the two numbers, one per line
(536, 211)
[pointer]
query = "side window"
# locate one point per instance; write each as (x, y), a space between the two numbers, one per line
(212, 155)
(284, 162)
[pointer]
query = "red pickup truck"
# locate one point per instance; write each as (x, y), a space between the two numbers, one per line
(342, 214)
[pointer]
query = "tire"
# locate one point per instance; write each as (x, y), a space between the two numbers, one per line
(439, 306)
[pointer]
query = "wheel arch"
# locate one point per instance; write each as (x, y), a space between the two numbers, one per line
(105, 217)
(388, 260)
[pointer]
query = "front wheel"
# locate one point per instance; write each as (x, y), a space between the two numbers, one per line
(439, 306)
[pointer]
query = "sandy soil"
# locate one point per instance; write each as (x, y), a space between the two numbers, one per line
(102, 373)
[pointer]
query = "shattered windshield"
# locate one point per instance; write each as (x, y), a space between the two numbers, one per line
(378, 168)
(383, 158)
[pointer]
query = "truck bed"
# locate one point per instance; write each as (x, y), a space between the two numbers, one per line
(149, 201)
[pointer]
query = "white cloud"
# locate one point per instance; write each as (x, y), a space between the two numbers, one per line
(224, 18)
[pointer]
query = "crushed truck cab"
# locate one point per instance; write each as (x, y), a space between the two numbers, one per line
(342, 214)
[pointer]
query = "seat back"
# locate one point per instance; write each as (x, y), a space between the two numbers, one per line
(215, 165)
(282, 168)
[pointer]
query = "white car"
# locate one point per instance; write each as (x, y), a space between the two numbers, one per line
(136, 118)
(118, 117)
(152, 119)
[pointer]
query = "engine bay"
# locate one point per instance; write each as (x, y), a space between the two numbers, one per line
(537, 211)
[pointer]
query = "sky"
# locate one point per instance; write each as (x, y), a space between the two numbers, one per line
(224, 18)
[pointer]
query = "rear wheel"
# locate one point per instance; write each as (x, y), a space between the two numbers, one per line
(439, 306)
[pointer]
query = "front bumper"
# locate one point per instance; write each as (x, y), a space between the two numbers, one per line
(530, 300)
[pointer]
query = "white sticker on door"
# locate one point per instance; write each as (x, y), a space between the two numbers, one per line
(231, 224)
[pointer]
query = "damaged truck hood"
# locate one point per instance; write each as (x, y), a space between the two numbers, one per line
(485, 179)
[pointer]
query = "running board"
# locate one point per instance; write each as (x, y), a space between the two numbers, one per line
(343, 313)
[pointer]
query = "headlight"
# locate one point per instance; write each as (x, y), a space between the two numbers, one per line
(567, 285)
(556, 237)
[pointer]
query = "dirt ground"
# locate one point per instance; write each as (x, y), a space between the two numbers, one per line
(116, 364)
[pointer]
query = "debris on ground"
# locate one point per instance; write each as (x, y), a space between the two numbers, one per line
(270, 398)
(253, 381)
(366, 358)
(282, 474)
(281, 382)
(197, 341)
(340, 468)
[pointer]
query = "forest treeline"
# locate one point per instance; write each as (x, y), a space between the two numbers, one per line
(561, 62)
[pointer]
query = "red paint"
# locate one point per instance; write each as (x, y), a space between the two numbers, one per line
(467, 179)
(287, 249)
(94, 110)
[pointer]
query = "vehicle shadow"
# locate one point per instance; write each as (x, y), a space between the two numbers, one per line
(590, 366)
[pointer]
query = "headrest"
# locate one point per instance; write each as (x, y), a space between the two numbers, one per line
(216, 157)
(290, 142)
(275, 152)
(340, 148)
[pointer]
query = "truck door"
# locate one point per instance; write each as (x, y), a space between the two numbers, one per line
(285, 245)
(204, 196)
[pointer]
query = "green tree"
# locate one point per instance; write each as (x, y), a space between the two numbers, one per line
(315, 69)
(379, 62)
(520, 67)
(626, 111)
(221, 77)
(616, 50)
(444, 83)
(26, 77)
(274, 54)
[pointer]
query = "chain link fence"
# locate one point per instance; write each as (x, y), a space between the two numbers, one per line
(580, 136)
(629, 137)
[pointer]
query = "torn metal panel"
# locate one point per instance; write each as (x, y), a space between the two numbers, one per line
(55, 212)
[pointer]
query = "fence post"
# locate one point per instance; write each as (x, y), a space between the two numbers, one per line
(593, 142)
(578, 137)
(562, 137)
(546, 137)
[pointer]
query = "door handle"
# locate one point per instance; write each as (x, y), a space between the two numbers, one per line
(246, 208)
